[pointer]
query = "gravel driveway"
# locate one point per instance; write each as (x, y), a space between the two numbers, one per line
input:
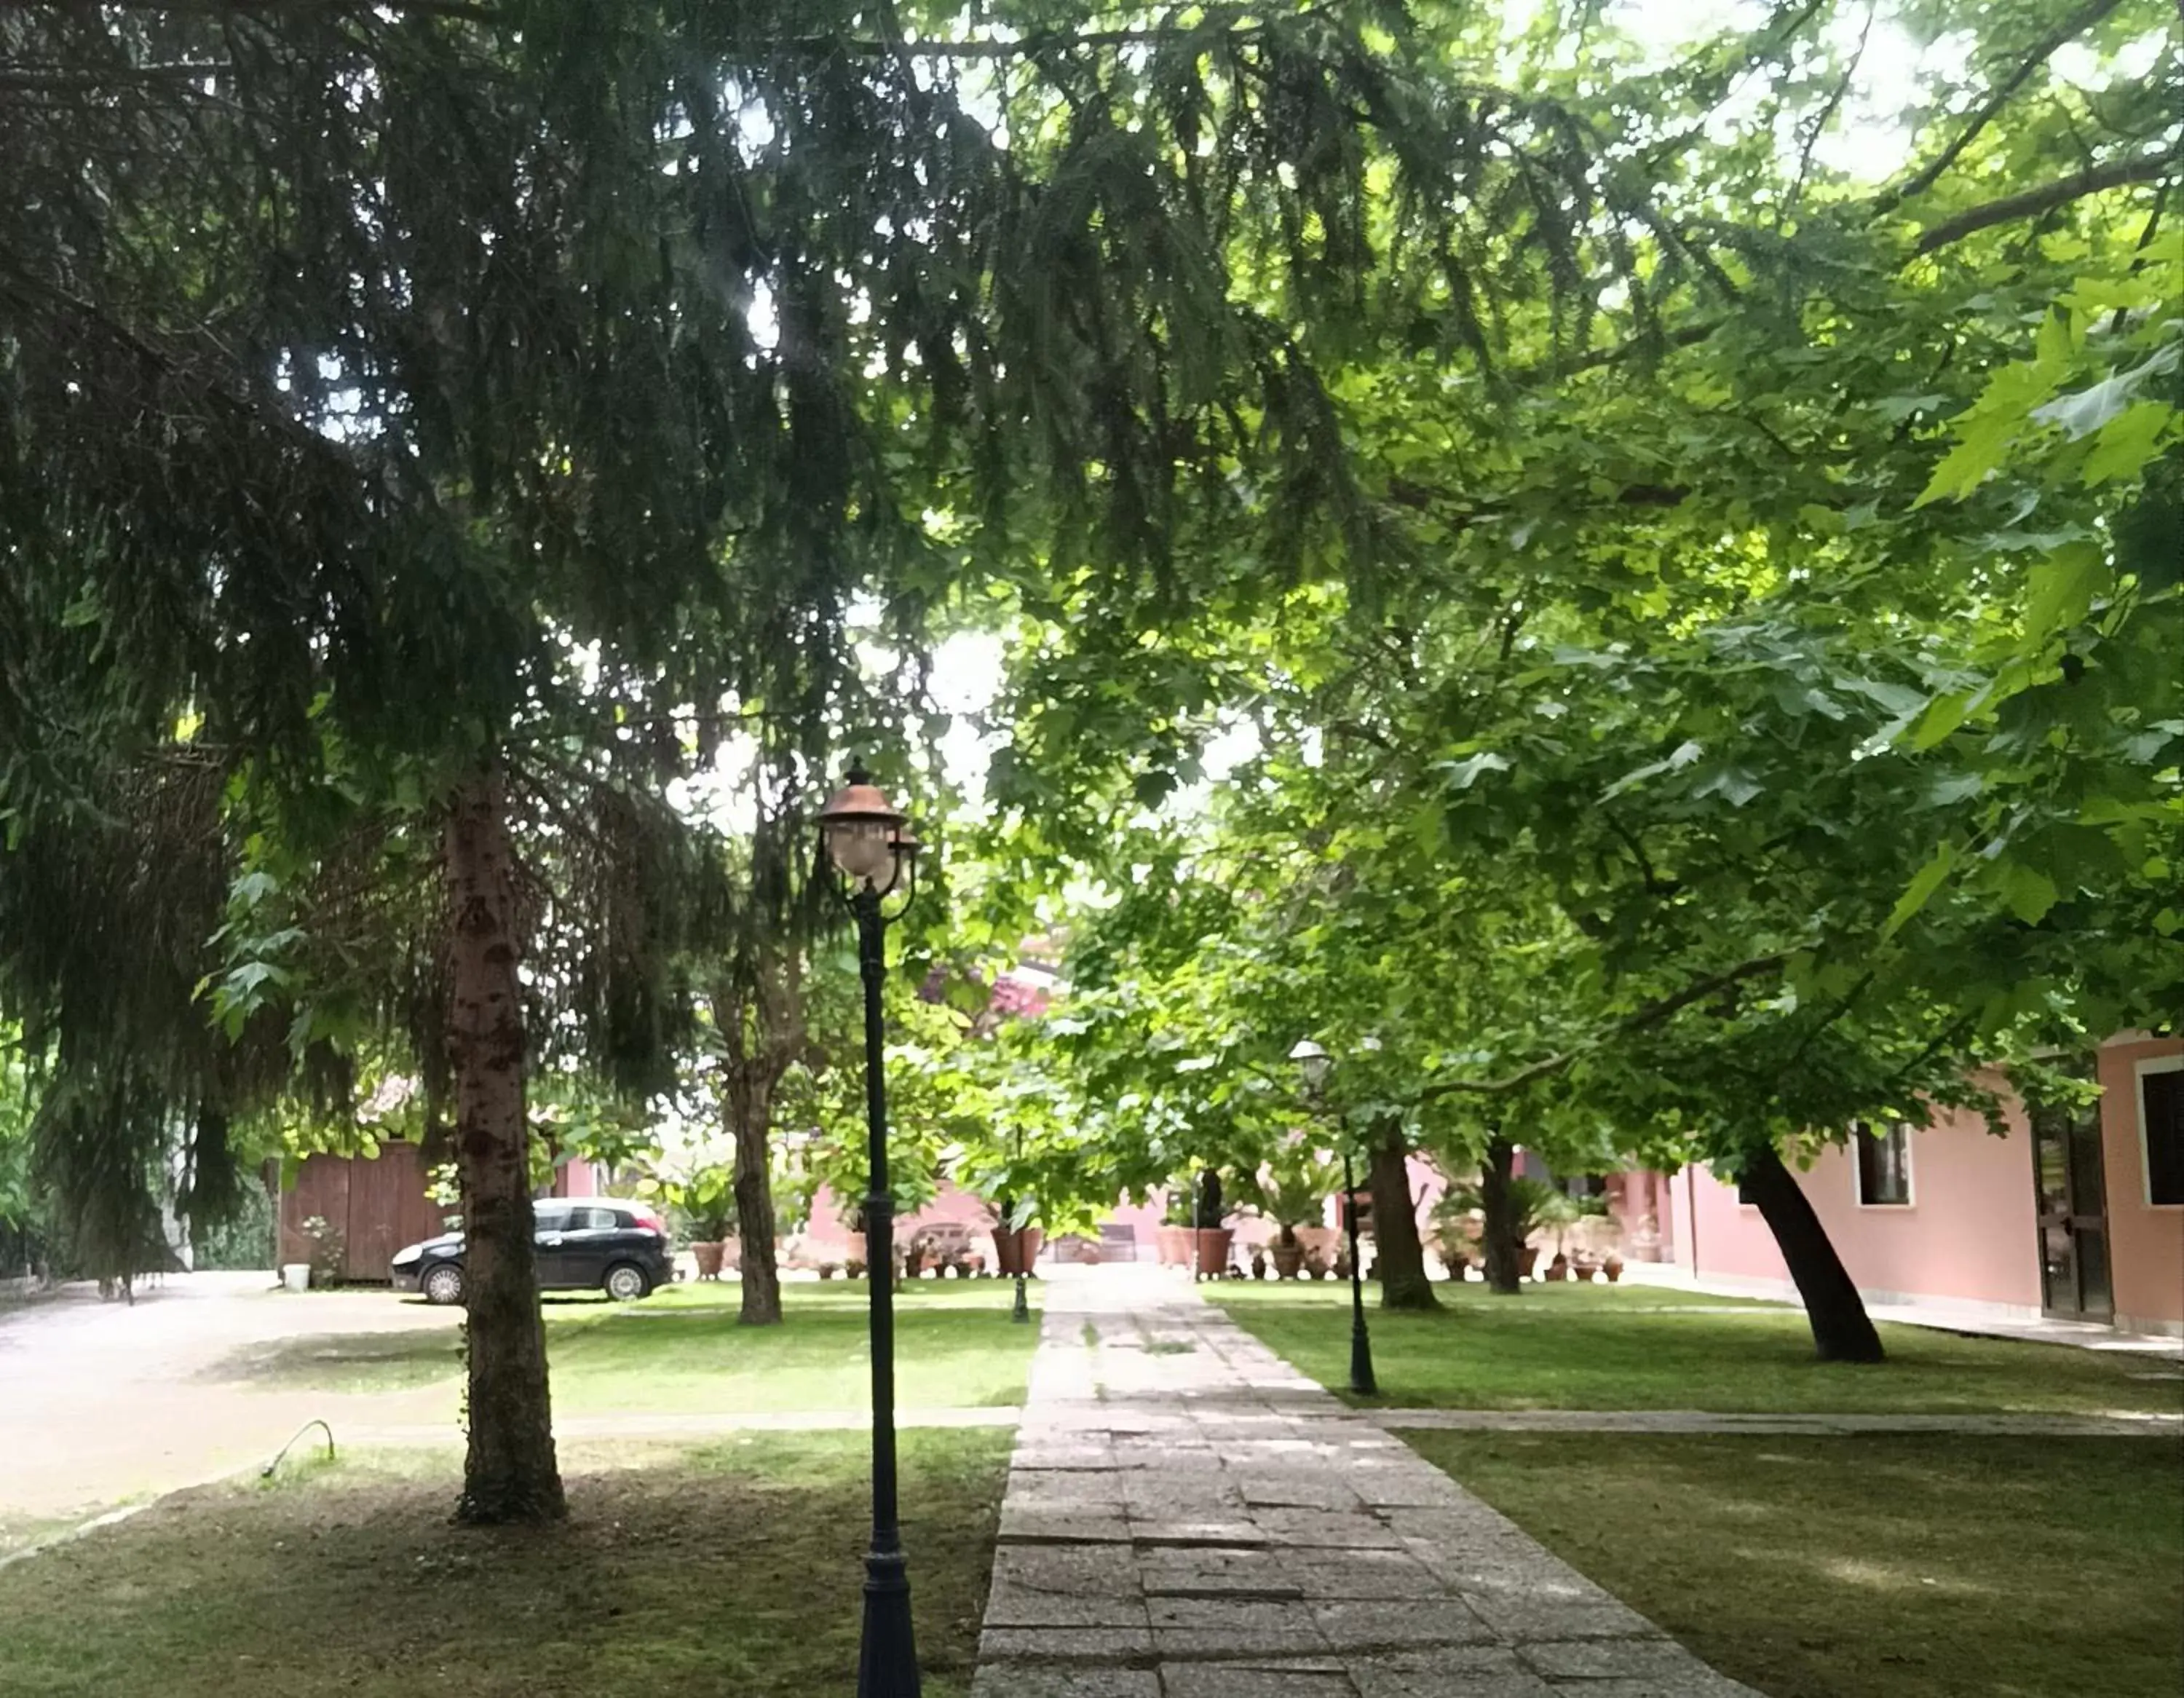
(103, 1402)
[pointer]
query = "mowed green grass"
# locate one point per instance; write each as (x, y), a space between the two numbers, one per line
(1897, 1566)
(683, 1351)
(1571, 1346)
(730, 1567)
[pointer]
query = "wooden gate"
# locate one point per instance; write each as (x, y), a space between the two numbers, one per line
(377, 1203)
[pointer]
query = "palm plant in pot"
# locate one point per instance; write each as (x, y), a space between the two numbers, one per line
(1529, 1205)
(1291, 1189)
(705, 1205)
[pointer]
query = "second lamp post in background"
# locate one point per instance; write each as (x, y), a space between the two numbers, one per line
(1314, 1062)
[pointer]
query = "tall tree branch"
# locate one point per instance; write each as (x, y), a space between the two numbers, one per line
(2032, 202)
(2068, 30)
(1651, 1015)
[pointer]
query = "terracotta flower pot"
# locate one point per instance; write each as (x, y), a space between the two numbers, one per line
(1289, 1258)
(854, 1251)
(710, 1257)
(1612, 1267)
(1176, 1246)
(1015, 1252)
(1213, 1243)
(1528, 1258)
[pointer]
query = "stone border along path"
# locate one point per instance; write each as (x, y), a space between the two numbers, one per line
(1189, 1518)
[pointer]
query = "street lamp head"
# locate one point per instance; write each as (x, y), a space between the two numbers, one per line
(1313, 1061)
(864, 833)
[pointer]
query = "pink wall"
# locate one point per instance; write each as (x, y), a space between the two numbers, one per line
(2146, 1244)
(1967, 1235)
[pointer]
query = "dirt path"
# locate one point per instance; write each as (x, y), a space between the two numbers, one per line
(101, 1403)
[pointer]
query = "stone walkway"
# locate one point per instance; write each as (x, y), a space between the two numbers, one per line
(2119, 1426)
(1187, 1517)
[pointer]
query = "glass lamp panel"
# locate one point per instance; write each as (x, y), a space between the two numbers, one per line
(861, 848)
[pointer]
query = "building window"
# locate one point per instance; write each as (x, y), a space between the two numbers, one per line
(2161, 1129)
(1884, 1165)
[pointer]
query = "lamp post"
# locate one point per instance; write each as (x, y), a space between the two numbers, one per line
(1314, 1062)
(874, 854)
(1022, 1313)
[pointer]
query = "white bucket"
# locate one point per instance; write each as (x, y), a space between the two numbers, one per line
(295, 1275)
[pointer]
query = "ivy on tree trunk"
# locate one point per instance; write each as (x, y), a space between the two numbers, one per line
(510, 1473)
(1402, 1255)
(1842, 1332)
(750, 1112)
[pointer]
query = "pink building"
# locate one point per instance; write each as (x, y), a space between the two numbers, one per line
(2078, 1217)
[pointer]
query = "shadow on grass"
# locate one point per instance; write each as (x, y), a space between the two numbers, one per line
(1944, 1567)
(342, 1362)
(731, 1567)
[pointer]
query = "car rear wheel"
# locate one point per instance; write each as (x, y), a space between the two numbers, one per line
(625, 1282)
(444, 1285)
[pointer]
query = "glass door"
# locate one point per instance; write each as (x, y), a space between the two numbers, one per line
(2073, 1213)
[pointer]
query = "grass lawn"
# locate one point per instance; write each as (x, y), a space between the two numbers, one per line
(682, 1350)
(1870, 1567)
(727, 1567)
(1571, 1346)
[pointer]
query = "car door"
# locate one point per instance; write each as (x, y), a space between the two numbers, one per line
(549, 1243)
(590, 1243)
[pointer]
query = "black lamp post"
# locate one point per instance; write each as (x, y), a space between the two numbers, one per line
(1017, 1229)
(875, 854)
(1314, 1062)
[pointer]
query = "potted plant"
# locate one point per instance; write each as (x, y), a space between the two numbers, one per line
(707, 1202)
(1174, 1238)
(1017, 1243)
(1213, 1239)
(1291, 1189)
(1533, 1204)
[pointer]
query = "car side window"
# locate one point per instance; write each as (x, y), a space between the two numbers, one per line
(551, 1218)
(592, 1220)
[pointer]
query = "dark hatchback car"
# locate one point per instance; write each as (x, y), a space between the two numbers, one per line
(594, 1244)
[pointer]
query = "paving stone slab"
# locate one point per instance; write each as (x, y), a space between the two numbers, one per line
(1114, 1647)
(1358, 1624)
(1273, 1679)
(1531, 1622)
(1106, 1570)
(1624, 1659)
(1461, 1672)
(1364, 1574)
(1018, 1606)
(1029, 1680)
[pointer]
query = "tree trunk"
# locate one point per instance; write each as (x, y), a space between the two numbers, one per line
(751, 1109)
(1500, 1238)
(1402, 1255)
(510, 1473)
(1842, 1332)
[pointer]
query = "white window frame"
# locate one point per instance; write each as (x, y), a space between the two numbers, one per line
(2140, 1073)
(1910, 1170)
